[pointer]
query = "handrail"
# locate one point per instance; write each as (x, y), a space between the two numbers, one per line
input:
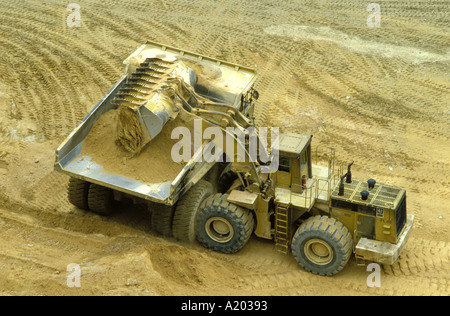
(309, 189)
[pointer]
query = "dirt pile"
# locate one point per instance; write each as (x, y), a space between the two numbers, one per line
(153, 165)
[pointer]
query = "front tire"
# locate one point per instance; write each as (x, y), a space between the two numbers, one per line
(223, 226)
(322, 245)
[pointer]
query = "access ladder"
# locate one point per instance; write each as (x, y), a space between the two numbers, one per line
(282, 228)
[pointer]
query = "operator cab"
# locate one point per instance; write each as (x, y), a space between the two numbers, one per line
(294, 168)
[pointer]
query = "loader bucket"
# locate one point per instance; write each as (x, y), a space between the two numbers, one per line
(146, 102)
(154, 122)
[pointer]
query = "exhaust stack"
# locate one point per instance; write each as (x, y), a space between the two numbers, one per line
(349, 173)
(348, 179)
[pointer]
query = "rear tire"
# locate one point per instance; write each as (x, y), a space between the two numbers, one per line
(162, 216)
(185, 217)
(77, 193)
(322, 245)
(223, 226)
(100, 199)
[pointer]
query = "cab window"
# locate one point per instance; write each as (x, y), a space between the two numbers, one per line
(284, 164)
(303, 161)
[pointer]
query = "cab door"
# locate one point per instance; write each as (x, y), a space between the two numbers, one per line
(284, 172)
(296, 180)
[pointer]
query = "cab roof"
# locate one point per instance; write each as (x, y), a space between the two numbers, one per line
(293, 144)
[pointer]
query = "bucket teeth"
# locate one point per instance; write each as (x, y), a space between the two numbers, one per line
(146, 76)
(149, 71)
(130, 88)
(142, 83)
(134, 94)
(156, 62)
(157, 67)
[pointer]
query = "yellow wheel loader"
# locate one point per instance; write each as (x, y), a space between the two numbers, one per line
(222, 187)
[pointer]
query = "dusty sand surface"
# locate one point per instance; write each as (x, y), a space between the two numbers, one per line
(380, 96)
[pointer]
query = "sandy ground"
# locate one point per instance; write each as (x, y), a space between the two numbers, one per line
(380, 96)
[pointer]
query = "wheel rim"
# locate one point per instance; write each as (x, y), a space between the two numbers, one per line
(219, 229)
(318, 251)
